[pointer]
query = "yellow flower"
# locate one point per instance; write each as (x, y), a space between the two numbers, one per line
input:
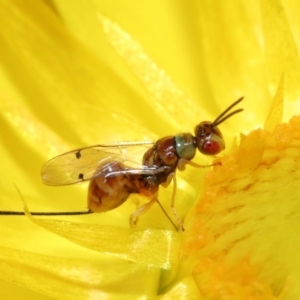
(73, 75)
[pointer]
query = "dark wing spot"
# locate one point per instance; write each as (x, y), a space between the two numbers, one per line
(78, 154)
(80, 176)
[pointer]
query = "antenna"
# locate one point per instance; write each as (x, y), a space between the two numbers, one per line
(219, 119)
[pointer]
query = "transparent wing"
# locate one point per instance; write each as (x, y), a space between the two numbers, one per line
(95, 161)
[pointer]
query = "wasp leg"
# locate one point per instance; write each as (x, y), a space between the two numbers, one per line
(136, 202)
(140, 211)
(183, 162)
(143, 209)
(169, 179)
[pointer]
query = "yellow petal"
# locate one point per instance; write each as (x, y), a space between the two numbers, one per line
(276, 112)
(145, 247)
(77, 279)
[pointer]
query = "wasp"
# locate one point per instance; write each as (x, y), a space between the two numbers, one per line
(114, 172)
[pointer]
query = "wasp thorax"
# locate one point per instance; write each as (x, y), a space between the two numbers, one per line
(209, 140)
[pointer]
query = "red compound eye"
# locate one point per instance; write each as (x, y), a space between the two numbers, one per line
(211, 144)
(212, 147)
